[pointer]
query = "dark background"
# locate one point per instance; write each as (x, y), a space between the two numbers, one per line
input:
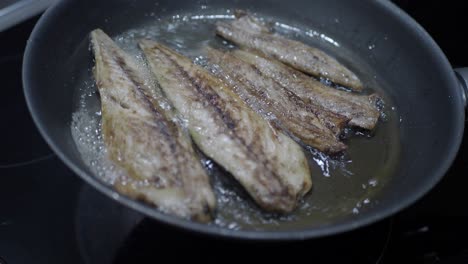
(445, 21)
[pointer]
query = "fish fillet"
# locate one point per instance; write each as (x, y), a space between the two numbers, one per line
(142, 138)
(276, 103)
(248, 32)
(360, 109)
(268, 164)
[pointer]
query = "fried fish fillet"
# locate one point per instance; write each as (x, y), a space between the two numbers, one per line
(268, 164)
(278, 104)
(249, 32)
(360, 109)
(142, 138)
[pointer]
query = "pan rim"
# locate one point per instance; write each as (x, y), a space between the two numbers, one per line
(322, 231)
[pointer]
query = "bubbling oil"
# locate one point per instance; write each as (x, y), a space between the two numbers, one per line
(343, 186)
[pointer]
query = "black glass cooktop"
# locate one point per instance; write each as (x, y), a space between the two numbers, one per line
(48, 215)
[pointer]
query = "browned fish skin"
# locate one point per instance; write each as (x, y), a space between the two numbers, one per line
(275, 103)
(248, 32)
(269, 165)
(157, 155)
(361, 109)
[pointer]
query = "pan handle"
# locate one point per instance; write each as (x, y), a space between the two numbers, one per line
(462, 75)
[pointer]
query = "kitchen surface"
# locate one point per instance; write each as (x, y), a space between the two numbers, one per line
(49, 215)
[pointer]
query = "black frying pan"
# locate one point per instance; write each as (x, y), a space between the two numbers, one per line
(418, 80)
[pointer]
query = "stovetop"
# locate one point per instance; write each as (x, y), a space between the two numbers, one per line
(48, 215)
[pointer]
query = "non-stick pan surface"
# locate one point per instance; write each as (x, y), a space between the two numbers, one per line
(414, 73)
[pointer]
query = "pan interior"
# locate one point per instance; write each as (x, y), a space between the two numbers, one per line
(343, 186)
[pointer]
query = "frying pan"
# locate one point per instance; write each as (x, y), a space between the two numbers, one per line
(429, 95)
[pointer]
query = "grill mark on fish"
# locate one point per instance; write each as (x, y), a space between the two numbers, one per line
(336, 126)
(164, 127)
(329, 149)
(293, 115)
(273, 191)
(157, 156)
(335, 122)
(360, 109)
(216, 102)
(254, 153)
